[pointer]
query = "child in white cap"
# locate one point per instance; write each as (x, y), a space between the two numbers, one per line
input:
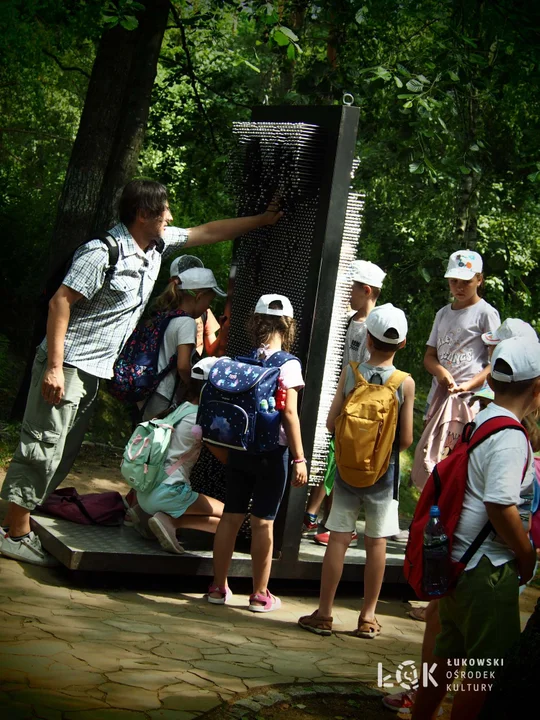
(187, 296)
(173, 504)
(367, 283)
(261, 478)
(207, 324)
(456, 355)
(480, 618)
(387, 332)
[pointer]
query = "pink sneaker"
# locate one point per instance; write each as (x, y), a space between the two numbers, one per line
(400, 702)
(323, 538)
(271, 602)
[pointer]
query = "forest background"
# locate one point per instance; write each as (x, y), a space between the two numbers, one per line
(93, 93)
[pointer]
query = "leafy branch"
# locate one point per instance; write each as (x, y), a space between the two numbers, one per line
(66, 68)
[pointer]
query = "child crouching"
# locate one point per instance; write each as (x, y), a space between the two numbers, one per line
(173, 504)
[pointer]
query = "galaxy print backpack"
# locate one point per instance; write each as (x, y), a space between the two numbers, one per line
(238, 407)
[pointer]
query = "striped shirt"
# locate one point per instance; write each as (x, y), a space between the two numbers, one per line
(103, 319)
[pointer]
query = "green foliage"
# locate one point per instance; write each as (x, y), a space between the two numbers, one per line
(448, 140)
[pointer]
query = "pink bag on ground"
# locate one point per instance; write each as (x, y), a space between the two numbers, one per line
(105, 508)
(447, 416)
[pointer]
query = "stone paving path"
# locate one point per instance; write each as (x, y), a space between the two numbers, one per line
(96, 654)
(83, 654)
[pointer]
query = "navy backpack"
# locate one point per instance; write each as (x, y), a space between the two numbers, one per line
(235, 409)
(136, 374)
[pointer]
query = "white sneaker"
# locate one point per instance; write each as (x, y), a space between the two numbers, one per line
(162, 527)
(3, 533)
(29, 550)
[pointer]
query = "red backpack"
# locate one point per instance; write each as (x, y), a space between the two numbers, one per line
(445, 487)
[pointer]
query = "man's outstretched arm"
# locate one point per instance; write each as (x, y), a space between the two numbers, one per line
(219, 230)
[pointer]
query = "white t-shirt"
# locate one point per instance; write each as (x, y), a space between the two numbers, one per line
(185, 440)
(355, 349)
(180, 331)
(290, 375)
(495, 472)
(457, 336)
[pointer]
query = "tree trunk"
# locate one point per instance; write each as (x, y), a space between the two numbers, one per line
(94, 142)
(131, 130)
(108, 142)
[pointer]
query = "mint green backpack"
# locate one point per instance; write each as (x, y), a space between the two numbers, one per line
(146, 451)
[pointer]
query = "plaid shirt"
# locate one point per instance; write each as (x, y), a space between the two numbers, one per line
(103, 319)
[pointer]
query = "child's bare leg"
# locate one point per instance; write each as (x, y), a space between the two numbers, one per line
(205, 523)
(262, 544)
(467, 704)
(429, 698)
(316, 498)
(332, 569)
(432, 629)
(224, 547)
(373, 575)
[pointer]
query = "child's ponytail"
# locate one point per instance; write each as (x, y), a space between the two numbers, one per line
(170, 299)
(262, 327)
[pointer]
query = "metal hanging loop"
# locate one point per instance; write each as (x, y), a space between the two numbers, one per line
(348, 99)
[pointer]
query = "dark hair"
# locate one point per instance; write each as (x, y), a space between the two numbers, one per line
(146, 195)
(262, 327)
(508, 388)
(386, 347)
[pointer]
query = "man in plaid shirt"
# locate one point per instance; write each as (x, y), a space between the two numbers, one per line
(90, 317)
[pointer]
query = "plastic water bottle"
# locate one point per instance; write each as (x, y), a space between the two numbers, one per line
(436, 556)
(271, 404)
(263, 406)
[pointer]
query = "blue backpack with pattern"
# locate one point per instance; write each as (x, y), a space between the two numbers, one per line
(234, 408)
(136, 374)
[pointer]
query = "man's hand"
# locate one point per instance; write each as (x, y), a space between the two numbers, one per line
(272, 213)
(52, 387)
(526, 565)
(299, 476)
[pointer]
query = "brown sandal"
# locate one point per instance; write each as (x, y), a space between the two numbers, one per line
(367, 628)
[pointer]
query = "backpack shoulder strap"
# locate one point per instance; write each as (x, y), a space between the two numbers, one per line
(177, 415)
(491, 427)
(279, 358)
(113, 249)
(396, 379)
(359, 379)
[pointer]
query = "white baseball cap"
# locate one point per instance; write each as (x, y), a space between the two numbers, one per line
(197, 278)
(511, 327)
(384, 318)
(184, 262)
(364, 271)
(521, 354)
(463, 265)
(201, 369)
(263, 306)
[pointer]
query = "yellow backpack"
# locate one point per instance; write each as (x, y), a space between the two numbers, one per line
(366, 429)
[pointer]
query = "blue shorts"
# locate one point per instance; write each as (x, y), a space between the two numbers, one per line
(260, 478)
(171, 499)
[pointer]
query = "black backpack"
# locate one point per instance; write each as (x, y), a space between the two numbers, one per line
(52, 284)
(58, 274)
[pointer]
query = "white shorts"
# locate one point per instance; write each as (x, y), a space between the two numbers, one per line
(380, 502)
